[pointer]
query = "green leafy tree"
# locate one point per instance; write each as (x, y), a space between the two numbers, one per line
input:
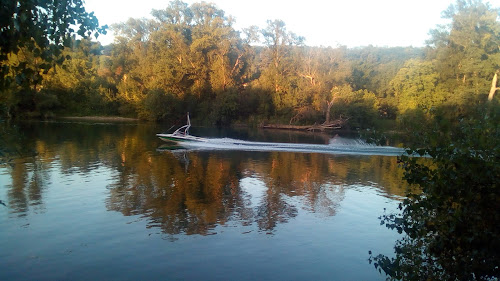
(133, 68)
(279, 69)
(189, 51)
(33, 36)
(467, 50)
(42, 28)
(374, 67)
(416, 86)
(326, 71)
(450, 218)
(359, 108)
(336, 93)
(83, 83)
(216, 50)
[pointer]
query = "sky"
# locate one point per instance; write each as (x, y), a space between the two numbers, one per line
(353, 23)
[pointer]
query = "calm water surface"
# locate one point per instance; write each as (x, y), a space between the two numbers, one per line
(108, 202)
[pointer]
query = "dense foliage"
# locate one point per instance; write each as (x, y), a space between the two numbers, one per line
(450, 218)
(33, 36)
(190, 58)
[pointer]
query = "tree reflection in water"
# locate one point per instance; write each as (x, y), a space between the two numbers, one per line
(26, 162)
(198, 191)
(28, 180)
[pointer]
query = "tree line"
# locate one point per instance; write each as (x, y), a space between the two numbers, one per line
(190, 58)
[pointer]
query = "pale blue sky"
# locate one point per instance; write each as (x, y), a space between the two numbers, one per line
(322, 22)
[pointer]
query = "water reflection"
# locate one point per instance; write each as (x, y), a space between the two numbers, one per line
(28, 180)
(184, 192)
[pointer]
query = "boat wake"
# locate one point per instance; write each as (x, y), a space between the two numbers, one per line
(337, 145)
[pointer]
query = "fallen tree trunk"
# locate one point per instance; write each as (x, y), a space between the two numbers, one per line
(334, 125)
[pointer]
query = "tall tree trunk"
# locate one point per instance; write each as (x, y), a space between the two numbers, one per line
(329, 107)
(493, 88)
(330, 104)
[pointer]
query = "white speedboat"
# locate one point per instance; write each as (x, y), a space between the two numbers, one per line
(181, 134)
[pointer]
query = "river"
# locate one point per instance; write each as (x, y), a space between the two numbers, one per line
(109, 201)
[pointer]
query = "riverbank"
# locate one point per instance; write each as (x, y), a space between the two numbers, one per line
(100, 118)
